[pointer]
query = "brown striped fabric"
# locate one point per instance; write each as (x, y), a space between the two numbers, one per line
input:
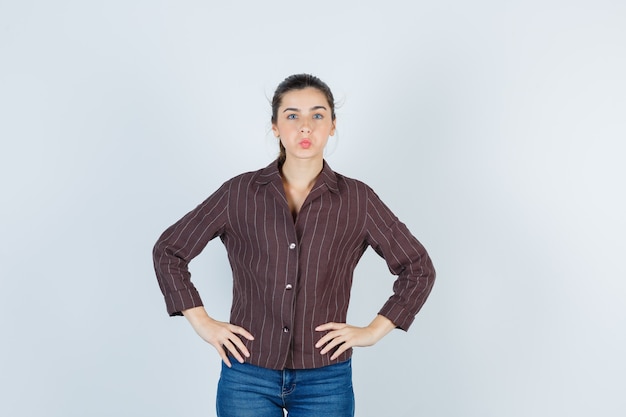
(291, 276)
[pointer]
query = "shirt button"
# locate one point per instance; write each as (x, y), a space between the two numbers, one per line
(288, 286)
(285, 330)
(292, 246)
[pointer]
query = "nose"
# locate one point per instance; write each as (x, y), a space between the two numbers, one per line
(305, 127)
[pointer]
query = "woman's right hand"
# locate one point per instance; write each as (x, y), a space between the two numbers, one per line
(223, 336)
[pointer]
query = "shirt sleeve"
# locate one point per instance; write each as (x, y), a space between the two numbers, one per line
(182, 242)
(405, 257)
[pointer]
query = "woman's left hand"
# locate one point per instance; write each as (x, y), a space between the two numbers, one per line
(344, 336)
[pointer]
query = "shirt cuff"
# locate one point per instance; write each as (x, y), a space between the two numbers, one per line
(181, 300)
(400, 316)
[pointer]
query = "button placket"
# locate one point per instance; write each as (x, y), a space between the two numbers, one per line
(289, 286)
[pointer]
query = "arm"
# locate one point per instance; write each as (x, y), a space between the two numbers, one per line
(182, 242)
(176, 247)
(406, 258)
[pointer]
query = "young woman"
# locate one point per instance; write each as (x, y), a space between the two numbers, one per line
(294, 232)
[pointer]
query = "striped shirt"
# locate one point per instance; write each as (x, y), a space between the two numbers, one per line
(290, 276)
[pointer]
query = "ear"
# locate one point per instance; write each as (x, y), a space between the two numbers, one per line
(275, 130)
(332, 129)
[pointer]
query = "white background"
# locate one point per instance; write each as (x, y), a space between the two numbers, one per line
(494, 129)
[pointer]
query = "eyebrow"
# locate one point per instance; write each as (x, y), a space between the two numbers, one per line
(298, 110)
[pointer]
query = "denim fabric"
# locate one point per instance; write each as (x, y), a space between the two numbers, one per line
(250, 391)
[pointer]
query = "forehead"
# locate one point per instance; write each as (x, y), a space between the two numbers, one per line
(304, 99)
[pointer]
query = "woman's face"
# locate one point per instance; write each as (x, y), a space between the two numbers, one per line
(304, 123)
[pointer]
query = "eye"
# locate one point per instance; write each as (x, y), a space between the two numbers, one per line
(292, 116)
(318, 116)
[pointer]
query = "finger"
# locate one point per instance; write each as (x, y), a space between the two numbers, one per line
(329, 326)
(329, 347)
(240, 346)
(233, 351)
(224, 356)
(340, 350)
(334, 332)
(327, 338)
(323, 341)
(332, 344)
(243, 332)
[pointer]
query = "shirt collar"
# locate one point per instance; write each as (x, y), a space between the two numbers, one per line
(271, 173)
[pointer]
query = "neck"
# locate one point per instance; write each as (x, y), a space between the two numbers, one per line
(301, 173)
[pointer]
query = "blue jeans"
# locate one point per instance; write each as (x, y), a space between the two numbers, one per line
(250, 391)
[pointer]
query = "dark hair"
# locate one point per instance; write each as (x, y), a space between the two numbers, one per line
(299, 82)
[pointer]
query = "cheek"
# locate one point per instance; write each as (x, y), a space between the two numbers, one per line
(330, 128)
